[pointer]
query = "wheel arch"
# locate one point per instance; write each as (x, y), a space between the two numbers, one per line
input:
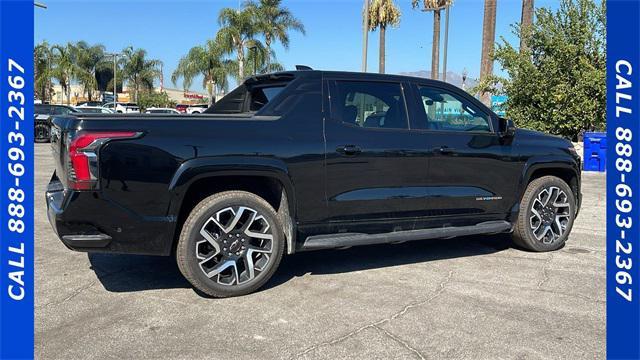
(198, 178)
(565, 169)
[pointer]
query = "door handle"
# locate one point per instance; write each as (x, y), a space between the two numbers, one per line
(349, 149)
(445, 150)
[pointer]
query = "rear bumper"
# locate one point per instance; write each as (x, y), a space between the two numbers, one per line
(86, 221)
(84, 239)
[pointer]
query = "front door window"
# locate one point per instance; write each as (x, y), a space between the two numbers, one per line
(447, 111)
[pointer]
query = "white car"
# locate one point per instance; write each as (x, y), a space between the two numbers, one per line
(94, 110)
(123, 108)
(197, 109)
(154, 110)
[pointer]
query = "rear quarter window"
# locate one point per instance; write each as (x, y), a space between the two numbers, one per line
(252, 96)
(232, 103)
(262, 95)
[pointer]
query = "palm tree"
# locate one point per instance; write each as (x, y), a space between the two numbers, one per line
(65, 67)
(261, 60)
(488, 39)
(89, 59)
(526, 21)
(435, 6)
(383, 13)
(207, 61)
(42, 70)
(274, 22)
(139, 71)
(237, 31)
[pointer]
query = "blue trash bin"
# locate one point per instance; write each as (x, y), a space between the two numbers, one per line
(595, 151)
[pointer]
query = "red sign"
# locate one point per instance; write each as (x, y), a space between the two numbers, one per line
(192, 96)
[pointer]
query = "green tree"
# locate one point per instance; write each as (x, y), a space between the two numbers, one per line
(65, 68)
(436, 6)
(383, 13)
(260, 60)
(89, 59)
(42, 60)
(237, 31)
(207, 61)
(139, 71)
(149, 99)
(557, 84)
(274, 22)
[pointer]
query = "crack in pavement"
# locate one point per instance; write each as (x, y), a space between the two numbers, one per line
(439, 290)
(75, 293)
(552, 291)
(402, 342)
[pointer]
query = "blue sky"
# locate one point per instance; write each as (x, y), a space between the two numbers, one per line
(168, 29)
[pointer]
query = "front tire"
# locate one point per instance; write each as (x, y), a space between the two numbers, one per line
(231, 244)
(547, 212)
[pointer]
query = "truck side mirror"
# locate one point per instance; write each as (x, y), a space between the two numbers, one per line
(507, 128)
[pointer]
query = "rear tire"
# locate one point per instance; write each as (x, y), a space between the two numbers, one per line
(231, 244)
(42, 133)
(547, 212)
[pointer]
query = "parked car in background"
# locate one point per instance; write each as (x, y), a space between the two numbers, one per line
(107, 97)
(123, 108)
(197, 109)
(42, 122)
(89, 103)
(162, 111)
(182, 108)
(94, 110)
(297, 161)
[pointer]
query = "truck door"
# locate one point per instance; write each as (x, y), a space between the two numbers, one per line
(375, 166)
(470, 175)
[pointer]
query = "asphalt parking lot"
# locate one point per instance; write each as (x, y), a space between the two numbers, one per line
(474, 297)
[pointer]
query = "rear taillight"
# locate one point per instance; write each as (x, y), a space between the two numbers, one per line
(83, 156)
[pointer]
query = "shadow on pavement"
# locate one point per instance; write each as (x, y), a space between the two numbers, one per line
(126, 273)
(129, 273)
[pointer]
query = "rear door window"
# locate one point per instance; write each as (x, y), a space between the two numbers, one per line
(370, 104)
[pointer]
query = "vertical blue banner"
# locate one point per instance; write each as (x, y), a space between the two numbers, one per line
(16, 179)
(623, 179)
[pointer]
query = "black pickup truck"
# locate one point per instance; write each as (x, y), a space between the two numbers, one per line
(306, 160)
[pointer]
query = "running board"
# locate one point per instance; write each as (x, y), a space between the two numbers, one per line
(331, 241)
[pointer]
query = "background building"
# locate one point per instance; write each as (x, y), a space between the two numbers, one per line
(78, 95)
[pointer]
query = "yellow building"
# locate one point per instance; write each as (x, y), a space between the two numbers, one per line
(78, 95)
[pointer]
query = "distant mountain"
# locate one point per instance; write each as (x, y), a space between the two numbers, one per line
(452, 77)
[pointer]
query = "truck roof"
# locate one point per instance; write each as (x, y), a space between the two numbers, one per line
(332, 73)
